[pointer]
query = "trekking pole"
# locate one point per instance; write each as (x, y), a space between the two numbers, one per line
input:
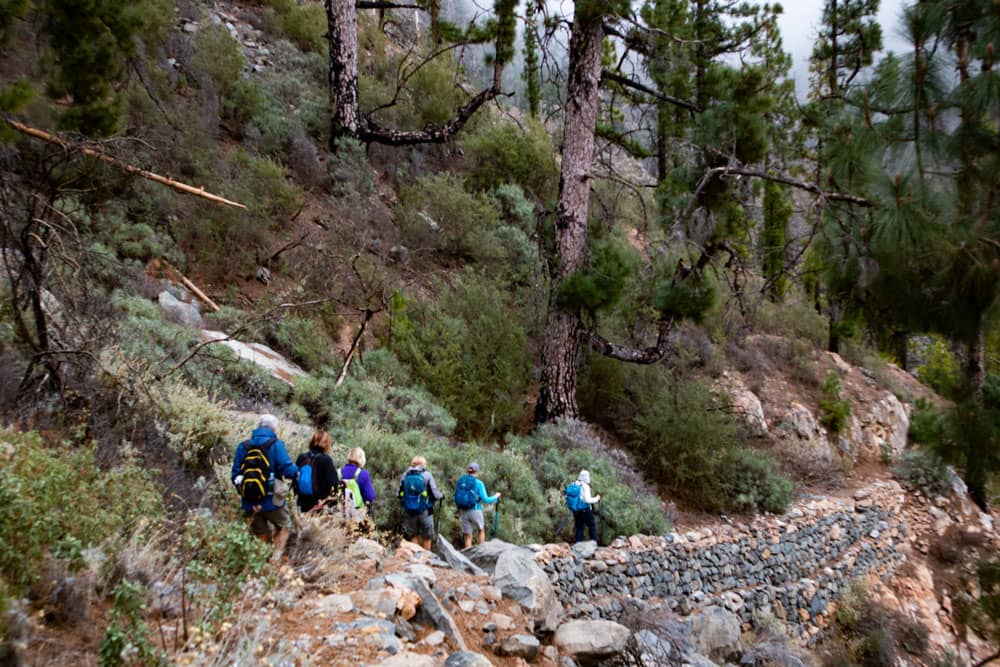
(600, 530)
(496, 519)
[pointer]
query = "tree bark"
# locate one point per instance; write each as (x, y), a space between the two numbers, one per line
(561, 348)
(342, 35)
(976, 443)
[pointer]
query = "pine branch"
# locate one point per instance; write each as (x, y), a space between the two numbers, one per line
(608, 75)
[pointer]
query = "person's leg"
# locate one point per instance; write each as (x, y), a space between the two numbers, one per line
(281, 518)
(591, 524)
(482, 535)
(259, 526)
(280, 540)
(467, 539)
(578, 526)
(426, 531)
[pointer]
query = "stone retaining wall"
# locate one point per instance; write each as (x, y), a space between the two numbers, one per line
(793, 567)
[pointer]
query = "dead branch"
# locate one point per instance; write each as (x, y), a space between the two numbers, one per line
(368, 314)
(121, 164)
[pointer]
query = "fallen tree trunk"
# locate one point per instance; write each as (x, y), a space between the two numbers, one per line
(121, 164)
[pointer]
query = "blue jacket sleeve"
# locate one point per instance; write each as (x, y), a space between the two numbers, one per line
(481, 490)
(283, 466)
(241, 452)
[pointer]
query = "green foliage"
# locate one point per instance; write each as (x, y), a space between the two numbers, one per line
(468, 347)
(777, 213)
(835, 410)
(504, 153)
(600, 285)
(10, 11)
(348, 168)
(302, 23)
(691, 297)
(91, 44)
(126, 640)
(684, 437)
(924, 471)
(38, 479)
(194, 427)
(218, 55)
(439, 213)
(941, 370)
(304, 341)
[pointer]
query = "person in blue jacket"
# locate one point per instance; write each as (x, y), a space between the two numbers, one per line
(472, 519)
(272, 510)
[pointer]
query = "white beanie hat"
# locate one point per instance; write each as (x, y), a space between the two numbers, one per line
(584, 477)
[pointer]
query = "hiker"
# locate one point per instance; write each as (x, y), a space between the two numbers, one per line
(259, 465)
(418, 493)
(317, 473)
(579, 500)
(359, 494)
(470, 495)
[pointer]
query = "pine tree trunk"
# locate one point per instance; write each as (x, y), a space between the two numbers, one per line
(342, 27)
(976, 444)
(561, 348)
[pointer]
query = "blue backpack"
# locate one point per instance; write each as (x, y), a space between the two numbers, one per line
(414, 493)
(573, 499)
(465, 493)
(304, 483)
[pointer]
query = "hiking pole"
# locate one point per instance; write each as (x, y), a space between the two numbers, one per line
(600, 530)
(496, 519)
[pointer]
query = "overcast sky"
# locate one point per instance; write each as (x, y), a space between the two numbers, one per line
(799, 27)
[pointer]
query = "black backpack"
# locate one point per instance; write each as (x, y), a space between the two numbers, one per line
(256, 471)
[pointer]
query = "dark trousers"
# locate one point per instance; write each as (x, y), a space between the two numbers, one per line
(583, 518)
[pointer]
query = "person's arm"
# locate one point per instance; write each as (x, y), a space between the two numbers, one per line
(483, 497)
(435, 493)
(283, 465)
(586, 495)
(328, 476)
(237, 462)
(366, 486)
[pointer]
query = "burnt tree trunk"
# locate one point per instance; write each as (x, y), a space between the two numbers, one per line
(976, 440)
(342, 35)
(563, 332)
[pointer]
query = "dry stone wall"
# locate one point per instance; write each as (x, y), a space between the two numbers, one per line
(793, 567)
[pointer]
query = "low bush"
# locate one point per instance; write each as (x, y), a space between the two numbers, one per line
(127, 638)
(940, 368)
(437, 213)
(924, 471)
(34, 518)
(504, 153)
(834, 409)
(468, 347)
(302, 23)
(865, 633)
(304, 341)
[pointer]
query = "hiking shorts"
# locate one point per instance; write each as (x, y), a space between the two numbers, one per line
(421, 525)
(261, 522)
(472, 521)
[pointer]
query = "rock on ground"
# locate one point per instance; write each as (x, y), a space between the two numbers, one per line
(485, 555)
(456, 559)
(521, 579)
(467, 659)
(587, 641)
(716, 632)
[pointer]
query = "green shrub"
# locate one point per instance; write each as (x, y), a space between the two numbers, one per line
(835, 410)
(302, 23)
(349, 171)
(193, 426)
(752, 483)
(34, 517)
(126, 640)
(924, 471)
(941, 370)
(438, 213)
(504, 153)
(218, 55)
(304, 341)
(468, 348)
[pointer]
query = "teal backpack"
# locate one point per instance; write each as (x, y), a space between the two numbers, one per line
(574, 501)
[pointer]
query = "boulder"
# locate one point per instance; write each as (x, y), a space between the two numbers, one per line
(335, 604)
(716, 632)
(585, 550)
(408, 659)
(521, 579)
(381, 602)
(179, 312)
(456, 559)
(434, 614)
(365, 549)
(485, 555)
(467, 659)
(520, 646)
(590, 641)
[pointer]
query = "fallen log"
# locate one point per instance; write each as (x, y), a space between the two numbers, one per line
(121, 164)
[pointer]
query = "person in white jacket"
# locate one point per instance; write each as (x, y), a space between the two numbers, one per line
(585, 517)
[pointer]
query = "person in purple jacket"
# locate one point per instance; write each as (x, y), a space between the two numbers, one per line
(359, 494)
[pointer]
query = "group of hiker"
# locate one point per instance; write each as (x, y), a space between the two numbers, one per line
(263, 473)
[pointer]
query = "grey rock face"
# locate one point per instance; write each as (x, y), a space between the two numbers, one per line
(716, 632)
(432, 613)
(521, 579)
(456, 559)
(521, 646)
(467, 659)
(590, 641)
(179, 312)
(485, 555)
